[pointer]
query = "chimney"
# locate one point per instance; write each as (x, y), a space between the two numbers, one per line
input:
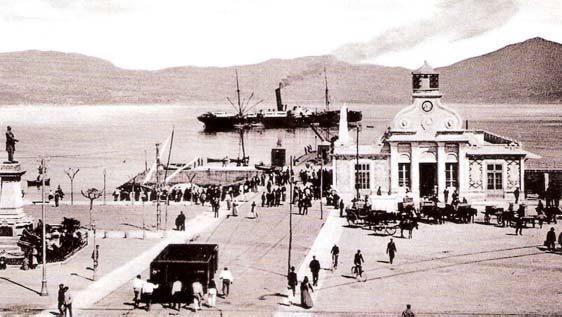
(278, 97)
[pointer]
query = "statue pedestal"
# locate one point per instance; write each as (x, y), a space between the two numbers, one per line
(12, 217)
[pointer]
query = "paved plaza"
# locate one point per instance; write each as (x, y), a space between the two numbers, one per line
(445, 269)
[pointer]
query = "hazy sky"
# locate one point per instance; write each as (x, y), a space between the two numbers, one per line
(143, 34)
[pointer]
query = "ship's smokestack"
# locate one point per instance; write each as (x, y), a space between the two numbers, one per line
(278, 97)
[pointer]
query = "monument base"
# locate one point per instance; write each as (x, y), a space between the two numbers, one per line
(13, 220)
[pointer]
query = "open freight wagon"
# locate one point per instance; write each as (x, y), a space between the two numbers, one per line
(186, 262)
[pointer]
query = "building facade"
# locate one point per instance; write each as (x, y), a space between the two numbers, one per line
(426, 150)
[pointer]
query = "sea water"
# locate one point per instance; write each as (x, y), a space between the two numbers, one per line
(119, 139)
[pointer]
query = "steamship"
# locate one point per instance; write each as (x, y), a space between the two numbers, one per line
(296, 117)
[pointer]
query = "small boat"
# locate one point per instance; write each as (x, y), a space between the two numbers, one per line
(38, 183)
(263, 167)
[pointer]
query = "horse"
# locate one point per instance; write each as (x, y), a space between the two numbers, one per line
(408, 224)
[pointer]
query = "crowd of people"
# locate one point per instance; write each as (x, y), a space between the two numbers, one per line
(180, 293)
(61, 240)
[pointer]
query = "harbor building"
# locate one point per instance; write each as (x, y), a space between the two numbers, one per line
(427, 150)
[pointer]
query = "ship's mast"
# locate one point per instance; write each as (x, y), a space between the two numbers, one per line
(327, 93)
(238, 94)
(327, 101)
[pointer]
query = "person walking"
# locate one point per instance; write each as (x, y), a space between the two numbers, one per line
(341, 208)
(253, 214)
(292, 282)
(60, 299)
(216, 207)
(519, 225)
(147, 291)
(235, 208)
(96, 255)
(408, 312)
(59, 194)
(560, 240)
(315, 269)
(197, 294)
(137, 289)
(67, 302)
(212, 294)
(551, 240)
(335, 255)
(227, 279)
(446, 195)
(306, 289)
(516, 193)
(34, 261)
(391, 250)
(176, 295)
(358, 263)
(180, 222)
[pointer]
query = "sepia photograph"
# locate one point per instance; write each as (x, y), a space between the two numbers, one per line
(281, 158)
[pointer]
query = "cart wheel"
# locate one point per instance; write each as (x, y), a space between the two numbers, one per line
(390, 230)
(500, 220)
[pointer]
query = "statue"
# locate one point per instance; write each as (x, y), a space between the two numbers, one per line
(10, 144)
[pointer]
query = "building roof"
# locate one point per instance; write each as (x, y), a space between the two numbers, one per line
(501, 150)
(425, 69)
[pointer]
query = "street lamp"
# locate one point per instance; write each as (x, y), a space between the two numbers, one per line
(42, 172)
(71, 174)
(357, 163)
(291, 180)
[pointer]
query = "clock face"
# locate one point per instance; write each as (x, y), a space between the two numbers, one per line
(427, 106)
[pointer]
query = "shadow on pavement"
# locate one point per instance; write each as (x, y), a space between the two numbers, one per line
(264, 297)
(20, 285)
(84, 277)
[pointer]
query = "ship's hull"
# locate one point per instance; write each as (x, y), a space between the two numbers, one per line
(324, 119)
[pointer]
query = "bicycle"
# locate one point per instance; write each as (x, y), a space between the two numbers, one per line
(358, 273)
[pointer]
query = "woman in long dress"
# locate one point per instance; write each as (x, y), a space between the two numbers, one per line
(212, 294)
(306, 289)
(235, 208)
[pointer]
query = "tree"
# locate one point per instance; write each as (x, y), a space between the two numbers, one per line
(71, 174)
(92, 194)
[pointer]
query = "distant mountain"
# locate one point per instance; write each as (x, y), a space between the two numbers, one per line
(530, 71)
(526, 72)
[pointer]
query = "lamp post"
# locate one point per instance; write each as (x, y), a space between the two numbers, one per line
(291, 180)
(321, 185)
(357, 163)
(71, 174)
(43, 171)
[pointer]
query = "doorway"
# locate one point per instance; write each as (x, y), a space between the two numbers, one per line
(428, 178)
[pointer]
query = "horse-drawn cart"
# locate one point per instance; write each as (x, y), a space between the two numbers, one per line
(380, 221)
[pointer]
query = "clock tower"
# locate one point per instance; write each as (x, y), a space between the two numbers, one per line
(426, 115)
